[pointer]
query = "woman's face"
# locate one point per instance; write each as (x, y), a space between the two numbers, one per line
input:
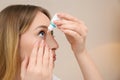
(37, 31)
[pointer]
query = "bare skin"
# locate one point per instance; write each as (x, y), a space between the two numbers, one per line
(76, 32)
(37, 54)
(39, 64)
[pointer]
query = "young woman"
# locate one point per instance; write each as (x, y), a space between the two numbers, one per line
(27, 48)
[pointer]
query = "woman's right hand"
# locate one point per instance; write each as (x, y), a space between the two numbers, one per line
(40, 64)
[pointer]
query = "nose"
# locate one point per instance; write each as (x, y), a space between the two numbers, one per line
(52, 43)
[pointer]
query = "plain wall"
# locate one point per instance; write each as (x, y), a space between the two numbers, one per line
(102, 18)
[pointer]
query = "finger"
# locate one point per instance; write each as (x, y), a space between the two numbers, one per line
(51, 65)
(40, 54)
(33, 56)
(67, 17)
(71, 24)
(71, 34)
(46, 56)
(70, 27)
(64, 24)
(24, 67)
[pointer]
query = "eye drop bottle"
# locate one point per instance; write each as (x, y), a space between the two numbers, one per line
(52, 25)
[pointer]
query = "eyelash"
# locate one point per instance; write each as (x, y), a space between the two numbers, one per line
(43, 34)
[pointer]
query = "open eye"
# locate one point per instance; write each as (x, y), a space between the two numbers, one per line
(42, 34)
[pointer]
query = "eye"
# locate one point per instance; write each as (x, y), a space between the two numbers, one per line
(42, 34)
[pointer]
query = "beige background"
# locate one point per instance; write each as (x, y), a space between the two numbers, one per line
(103, 42)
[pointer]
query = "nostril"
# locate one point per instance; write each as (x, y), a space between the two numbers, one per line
(53, 48)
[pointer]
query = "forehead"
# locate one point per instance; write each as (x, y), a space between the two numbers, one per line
(40, 19)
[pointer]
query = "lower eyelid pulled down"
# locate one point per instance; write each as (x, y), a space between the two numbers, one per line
(43, 34)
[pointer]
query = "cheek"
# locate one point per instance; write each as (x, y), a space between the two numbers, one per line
(26, 45)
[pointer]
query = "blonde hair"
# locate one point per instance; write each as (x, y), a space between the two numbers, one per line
(14, 20)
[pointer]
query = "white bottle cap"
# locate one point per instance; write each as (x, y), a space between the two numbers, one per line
(52, 25)
(55, 17)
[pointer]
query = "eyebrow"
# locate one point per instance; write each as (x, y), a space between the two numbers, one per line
(42, 26)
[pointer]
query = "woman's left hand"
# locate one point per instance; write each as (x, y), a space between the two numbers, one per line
(75, 31)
